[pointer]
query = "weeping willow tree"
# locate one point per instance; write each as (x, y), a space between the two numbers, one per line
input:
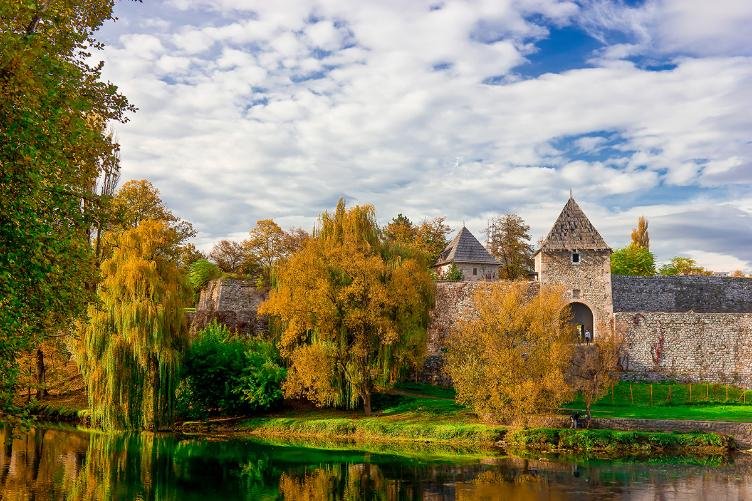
(354, 311)
(129, 349)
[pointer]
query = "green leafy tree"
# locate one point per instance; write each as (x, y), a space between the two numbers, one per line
(53, 148)
(431, 237)
(129, 350)
(633, 260)
(354, 312)
(201, 272)
(509, 243)
(682, 266)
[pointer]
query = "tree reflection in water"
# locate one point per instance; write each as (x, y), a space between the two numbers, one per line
(68, 464)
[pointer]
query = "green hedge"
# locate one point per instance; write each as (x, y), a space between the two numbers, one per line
(612, 440)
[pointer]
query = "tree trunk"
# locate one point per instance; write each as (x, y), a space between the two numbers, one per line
(367, 402)
(41, 372)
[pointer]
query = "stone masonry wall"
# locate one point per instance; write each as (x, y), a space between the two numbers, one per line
(587, 282)
(453, 300)
(231, 302)
(682, 293)
(687, 346)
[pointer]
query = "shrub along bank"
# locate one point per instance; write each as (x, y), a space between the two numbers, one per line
(615, 442)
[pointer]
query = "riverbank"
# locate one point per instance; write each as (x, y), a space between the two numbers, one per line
(426, 415)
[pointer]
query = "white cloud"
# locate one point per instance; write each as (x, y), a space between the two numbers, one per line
(242, 116)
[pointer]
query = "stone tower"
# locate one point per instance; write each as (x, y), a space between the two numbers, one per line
(575, 255)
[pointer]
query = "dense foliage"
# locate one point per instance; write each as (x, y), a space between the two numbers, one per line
(53, 147)
(595, 368)
(509, 361)
(682, 266)
(509, 243)
(354, 311)
(227, 374)
(201, 272)
(633, 260)
(130, 348)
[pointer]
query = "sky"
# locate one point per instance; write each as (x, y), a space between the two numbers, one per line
(464, 109)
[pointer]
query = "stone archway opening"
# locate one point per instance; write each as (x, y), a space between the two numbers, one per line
(582, 319)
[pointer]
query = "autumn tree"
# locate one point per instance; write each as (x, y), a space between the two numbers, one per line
(354, 311)
(138, 200)
(431, 237)
(129, 349)
(229, 256)
(640, 237)
(682, 266)
(401, 230)
(633, 260)
(53, 148)
(508, 360)
(595, 368)
(269, 244)
(509, 242)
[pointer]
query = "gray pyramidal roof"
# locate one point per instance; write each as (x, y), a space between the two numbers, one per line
(465, 248)
(573, 231)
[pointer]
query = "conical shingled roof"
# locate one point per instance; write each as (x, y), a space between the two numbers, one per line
(465, 248)
(573, 231)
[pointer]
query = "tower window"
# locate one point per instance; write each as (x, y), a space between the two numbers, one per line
(475, 271)
(576, 257)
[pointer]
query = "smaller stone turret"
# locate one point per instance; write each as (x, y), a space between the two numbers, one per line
(469, 255)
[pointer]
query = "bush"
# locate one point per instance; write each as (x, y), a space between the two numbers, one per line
(228, 374)
(201, 271)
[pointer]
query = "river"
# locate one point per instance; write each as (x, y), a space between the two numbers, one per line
(60, 463)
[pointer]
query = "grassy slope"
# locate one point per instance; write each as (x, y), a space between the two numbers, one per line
(708, 402)
(415, 412)
(412, 413)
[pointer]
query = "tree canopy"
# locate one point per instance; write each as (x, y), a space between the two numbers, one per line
(682, 266)
(509, 359)
(633, 260)
(130, 347)
(509, 242)
(354, 311)
(53, 147)
(640, 236)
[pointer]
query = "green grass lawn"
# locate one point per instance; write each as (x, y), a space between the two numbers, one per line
(409, 413)
(673, 401)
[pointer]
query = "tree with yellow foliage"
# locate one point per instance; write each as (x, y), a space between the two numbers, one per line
(508, 359)
(354, 311)
(129, 350)
(595, 368)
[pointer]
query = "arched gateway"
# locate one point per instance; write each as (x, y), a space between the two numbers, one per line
(582, 318)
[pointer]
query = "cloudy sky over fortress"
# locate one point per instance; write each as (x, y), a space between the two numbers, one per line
(255, 109)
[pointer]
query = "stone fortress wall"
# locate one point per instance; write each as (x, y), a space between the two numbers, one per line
(675, 328)
(686, 328)
(231, 302)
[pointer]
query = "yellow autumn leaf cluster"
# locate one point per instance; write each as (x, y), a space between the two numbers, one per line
(508, 359)
(354, 313)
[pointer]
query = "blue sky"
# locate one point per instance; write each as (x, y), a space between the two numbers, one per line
(249, 110)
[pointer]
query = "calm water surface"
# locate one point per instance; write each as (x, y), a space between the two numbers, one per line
(69, 464)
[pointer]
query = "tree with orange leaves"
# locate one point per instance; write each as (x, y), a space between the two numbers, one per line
(354, 311)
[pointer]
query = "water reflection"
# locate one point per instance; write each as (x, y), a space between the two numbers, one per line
(68, 464)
